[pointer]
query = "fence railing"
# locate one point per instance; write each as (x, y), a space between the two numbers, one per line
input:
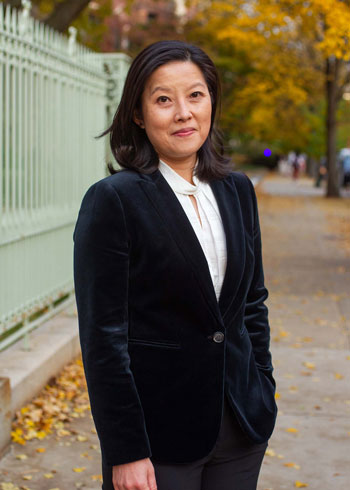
(55, 96)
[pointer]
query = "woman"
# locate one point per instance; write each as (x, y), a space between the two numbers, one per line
(170, 291)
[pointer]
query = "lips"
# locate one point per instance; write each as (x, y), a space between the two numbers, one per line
(184, 131)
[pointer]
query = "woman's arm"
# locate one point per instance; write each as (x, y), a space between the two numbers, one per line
(101, 268)
(256, 312)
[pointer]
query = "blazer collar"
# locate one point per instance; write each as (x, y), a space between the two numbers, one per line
(175, 220)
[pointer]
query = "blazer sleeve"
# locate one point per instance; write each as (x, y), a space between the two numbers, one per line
(256, 312)
(101, 265)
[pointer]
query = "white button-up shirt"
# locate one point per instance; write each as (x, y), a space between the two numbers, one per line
(211, 233)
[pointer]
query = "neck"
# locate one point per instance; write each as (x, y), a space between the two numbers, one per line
(183, 168)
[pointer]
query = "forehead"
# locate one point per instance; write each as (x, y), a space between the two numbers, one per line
(173, 75)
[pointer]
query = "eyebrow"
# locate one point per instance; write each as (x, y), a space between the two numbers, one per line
(164, 89)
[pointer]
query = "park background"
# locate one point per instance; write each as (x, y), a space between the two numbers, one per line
(285, 72)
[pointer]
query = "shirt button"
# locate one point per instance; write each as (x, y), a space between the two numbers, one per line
(218, 337)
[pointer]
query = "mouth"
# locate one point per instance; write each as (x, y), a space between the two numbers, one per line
(184, 132)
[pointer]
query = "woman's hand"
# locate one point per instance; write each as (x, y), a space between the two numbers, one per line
(137, 475)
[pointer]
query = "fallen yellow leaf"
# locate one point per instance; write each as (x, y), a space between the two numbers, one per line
(48, 475)
(300, 484)
(292, 465)
(292, 430)
(309, 365)
(21, 456)
(277, 396)
(8, 486)
(307, 339)
(40, 449)
(96, 477)
(270, 452)
(27, 477)
(41, 434)
(82, 438)
(63, 432)
(79, 470)
(338, 376)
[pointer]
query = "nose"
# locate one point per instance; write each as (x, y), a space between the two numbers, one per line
(183, 112)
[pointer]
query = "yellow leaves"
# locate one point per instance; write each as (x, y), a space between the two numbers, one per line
(282, 334)
(307, 339)
(338, 376)
(63, 432)
(309, 365)
(292, 465)
(81, 438)
(17, 436)
(48, 475)
(79, 470)
(270, 452)
(64, 398)
(299, 484)
(22, 457)
(292, 430)
(96, 477)
(27, 477)
(40, 449)
(40, 434)
(277, 395)
(8, 486)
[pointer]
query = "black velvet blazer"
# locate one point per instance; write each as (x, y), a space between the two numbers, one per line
(159, 350)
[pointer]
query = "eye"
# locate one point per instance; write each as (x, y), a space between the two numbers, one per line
(196, 94)
(162, 98)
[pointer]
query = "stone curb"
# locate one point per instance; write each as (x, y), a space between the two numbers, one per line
(23, 372)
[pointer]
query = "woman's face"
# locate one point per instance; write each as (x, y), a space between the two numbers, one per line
(176, 111)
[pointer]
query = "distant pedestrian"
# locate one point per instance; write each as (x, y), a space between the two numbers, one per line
(295, 168)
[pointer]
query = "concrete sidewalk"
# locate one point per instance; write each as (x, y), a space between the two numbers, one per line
(307, 274)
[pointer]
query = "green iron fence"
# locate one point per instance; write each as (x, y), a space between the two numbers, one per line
(55, 96)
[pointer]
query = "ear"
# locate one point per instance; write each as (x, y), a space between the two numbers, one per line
(137, 119)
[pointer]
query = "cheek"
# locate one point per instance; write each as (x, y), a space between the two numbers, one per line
(206, 117)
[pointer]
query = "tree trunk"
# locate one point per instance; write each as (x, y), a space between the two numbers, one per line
(332, 75)
(64, 13)
(13, 3)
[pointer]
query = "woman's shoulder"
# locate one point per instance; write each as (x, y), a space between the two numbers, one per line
(239, 177)
(118, 181)
(240, 181)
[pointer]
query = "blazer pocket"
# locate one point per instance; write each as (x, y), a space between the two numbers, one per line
(155, 343)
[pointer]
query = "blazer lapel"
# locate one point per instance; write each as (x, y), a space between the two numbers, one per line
(176, 221)
(228, 202)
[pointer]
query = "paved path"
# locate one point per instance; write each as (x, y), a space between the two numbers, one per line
(307, 266)
(307, 273)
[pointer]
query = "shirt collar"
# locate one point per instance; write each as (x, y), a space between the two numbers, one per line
(178, 183)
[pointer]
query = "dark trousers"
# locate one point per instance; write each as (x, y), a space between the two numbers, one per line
(233, 464)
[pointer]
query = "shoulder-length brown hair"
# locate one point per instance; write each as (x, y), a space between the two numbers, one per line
(129, 143)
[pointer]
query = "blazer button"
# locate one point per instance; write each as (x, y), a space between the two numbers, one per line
(218, 337)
